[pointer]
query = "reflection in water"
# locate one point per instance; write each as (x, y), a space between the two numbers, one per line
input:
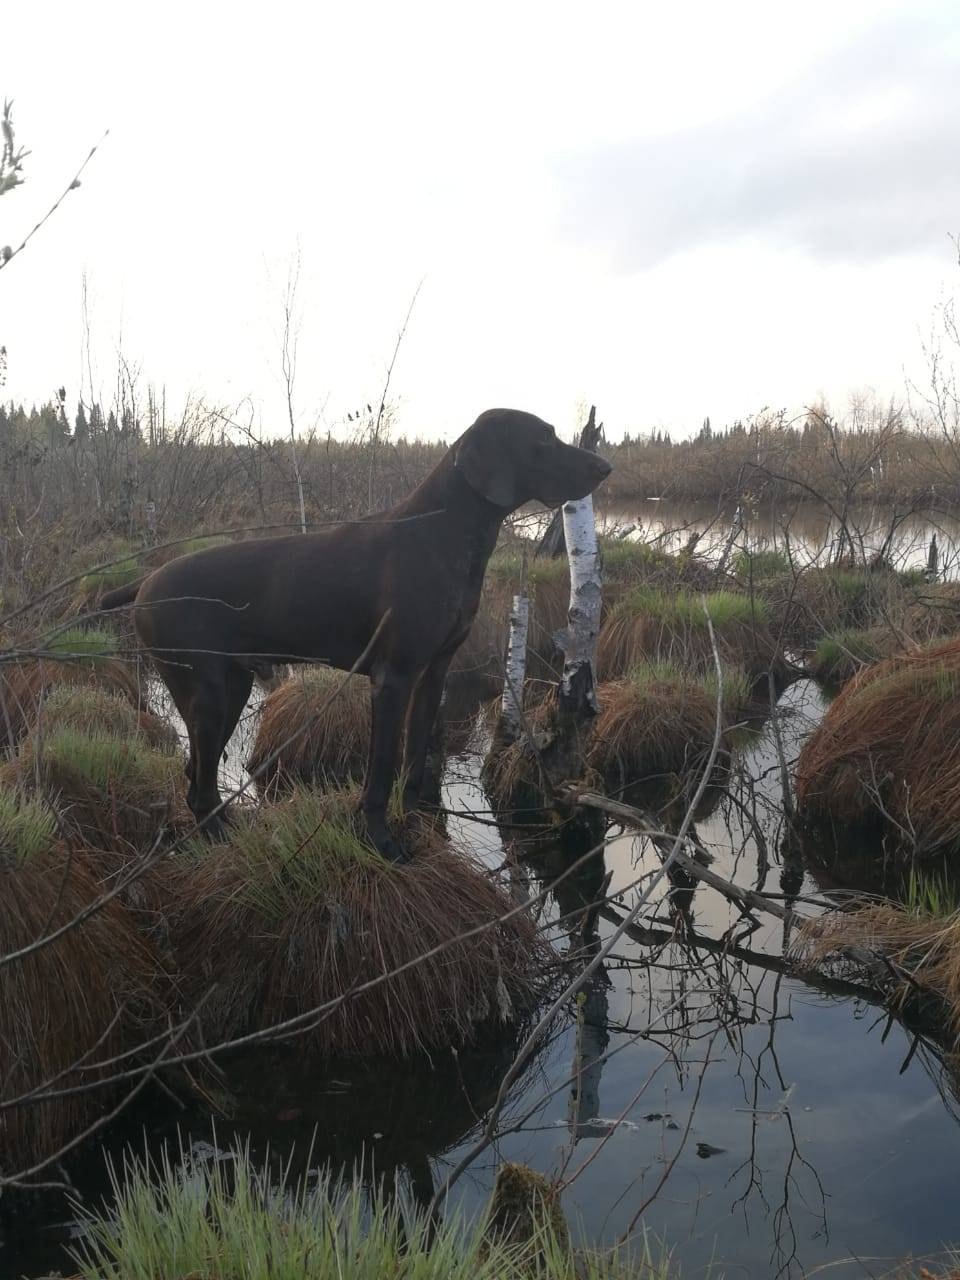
(811, 532)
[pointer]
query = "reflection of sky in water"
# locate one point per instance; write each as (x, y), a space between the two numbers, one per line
(869, 1165)
(866, 1167)
(812, 531)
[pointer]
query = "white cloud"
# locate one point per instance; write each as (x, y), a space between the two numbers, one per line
(671, 210)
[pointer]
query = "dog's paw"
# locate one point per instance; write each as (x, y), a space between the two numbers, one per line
(392, 851)
(216, 826)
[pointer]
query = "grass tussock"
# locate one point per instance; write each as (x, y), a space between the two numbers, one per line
(826, 601)
(655, 727)
(78, 657)
(334, 732)
(515, 766)
(659, 723)
(70, 1004)
(934, 612)
(838, 657)
(924, 948)
(760, 565)
(89, 709)
(108, 787)
(120, 558)
(228, 1218)
(295, 909)
(93, 585)
(651, 625)
(887, 753)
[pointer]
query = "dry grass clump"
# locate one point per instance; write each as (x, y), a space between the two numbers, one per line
(78, 656)
(90, 709)
(887, 753)
(94, 585)
(762, 565)
(331, 748)
(824, 601)
(650, 625)
(935, 611)
(513, 766)
(120, 558)
(924, 949)
(840, 656)
(86, 995)
(655, 727)
(295, 910)
(659, 723)
(111, 788)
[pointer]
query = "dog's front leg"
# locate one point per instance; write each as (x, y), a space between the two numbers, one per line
(390, 696)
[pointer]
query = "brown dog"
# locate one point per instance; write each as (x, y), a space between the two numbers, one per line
(213, 618)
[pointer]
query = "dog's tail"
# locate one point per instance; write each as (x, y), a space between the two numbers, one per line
(120, 596)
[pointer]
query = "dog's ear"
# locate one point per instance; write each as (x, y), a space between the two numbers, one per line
(488, 471)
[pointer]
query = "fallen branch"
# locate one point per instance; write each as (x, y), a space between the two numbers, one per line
(881, 967)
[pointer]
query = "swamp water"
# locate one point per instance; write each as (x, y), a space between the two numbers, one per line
(755, 1124)
(809, 529)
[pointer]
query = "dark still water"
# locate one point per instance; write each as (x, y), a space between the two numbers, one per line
(744, 1118)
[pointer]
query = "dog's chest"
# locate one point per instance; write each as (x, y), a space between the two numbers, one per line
(464, 588)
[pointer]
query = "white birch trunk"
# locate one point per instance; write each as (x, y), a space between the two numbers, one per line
(578, 642)
(511, 704)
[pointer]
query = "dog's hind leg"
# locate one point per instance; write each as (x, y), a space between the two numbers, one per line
(179, 682)
(239, 684)
(390, 692)
(424, 707)
(207, 717)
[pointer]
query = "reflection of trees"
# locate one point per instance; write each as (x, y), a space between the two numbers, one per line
(784, 1255)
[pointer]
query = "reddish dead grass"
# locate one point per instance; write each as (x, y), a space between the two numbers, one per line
(935, 612)
(24, 685)
(923, 948)
(295, 911)
(658, 723)
(333, 740)
(71, 1004)
(887, 753)
(113, 790)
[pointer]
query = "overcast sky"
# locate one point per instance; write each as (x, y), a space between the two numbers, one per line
(671, 210)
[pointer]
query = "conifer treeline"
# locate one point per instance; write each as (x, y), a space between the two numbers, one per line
(102, 467)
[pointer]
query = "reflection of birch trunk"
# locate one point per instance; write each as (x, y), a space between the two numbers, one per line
(590, 1045)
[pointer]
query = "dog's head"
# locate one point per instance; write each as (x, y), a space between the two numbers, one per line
(509, 458)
